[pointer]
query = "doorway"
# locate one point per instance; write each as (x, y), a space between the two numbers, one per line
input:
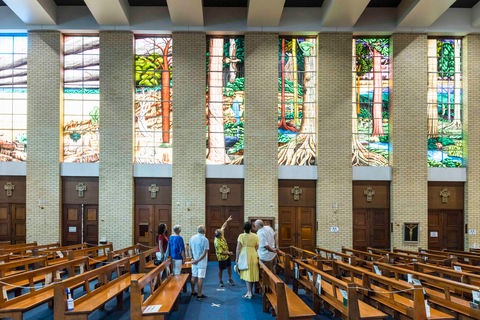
(153, 206)
(80, 210)
(445, 216)
(224, 199)
(297, 214)
(371, 215)
(13, 210)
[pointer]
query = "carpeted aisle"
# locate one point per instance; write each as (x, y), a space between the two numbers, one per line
(221, 304)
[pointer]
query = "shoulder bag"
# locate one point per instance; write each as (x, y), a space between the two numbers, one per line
(243, 259)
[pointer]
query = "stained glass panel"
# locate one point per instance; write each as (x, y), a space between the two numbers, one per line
(13, 97)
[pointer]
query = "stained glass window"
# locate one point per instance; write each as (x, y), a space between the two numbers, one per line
(225, 100)
(444, 125)
(13, 98)
(370, 97)
(153, 100)
(81, 99)
(297, 101)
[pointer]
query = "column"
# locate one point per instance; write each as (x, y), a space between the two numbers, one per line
(189, 130)
(471, 128)
(334, 145)
(116, 137)
(261, 121)
(45, 114)
(408, 137)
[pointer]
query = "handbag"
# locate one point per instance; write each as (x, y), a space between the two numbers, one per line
(242, 264)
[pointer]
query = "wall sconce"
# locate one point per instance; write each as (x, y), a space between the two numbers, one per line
(189, 205)
(41, 203)
(335, 207)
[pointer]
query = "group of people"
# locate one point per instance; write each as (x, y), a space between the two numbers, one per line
(252, 247)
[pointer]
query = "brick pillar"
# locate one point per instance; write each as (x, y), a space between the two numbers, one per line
(408, 136)
(471, 128)
(189, 130)
(261, 118)
(116, 137)
(44, 139)
(334, 145)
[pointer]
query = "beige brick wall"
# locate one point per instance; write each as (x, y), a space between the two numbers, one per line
(116, 137)
(189, 163)
(44, 139)
(471, 128)
(261, 146)
(334, 147)
(408, 137)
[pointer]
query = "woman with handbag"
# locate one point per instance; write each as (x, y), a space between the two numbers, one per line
(162, 242)
(247, 260)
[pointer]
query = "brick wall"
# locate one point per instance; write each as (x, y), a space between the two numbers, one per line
(116, 137)
(471, 128)
(334, 147)
(261, 137)
(44, 139)
(408, 137)
(188, 167)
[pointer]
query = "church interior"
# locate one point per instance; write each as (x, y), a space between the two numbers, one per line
(339, 134)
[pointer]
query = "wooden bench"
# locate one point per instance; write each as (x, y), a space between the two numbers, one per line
(133, 252)
(447, 273)
(103, 292)
(284, 264)
(17, 306)
(285, 304)
(429, 258)
(72, 247)
(9, 268)
(331, 296)
(27, 250)
(396, 298)
(20, 245)
(92, 252)
(362, 255)
(467, 268)
(440, 291)
(467, 257)
(164, 293)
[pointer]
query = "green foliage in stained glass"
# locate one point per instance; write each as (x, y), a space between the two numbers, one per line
(95, 115)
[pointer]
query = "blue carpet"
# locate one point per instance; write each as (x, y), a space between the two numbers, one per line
(232, 305)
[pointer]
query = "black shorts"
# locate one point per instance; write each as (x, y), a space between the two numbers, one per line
(222, 265)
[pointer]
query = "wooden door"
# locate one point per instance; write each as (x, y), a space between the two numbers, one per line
(5, 223)
(306, 228)
(287, 226)
(216, 217)
(90, 224)
(445, 229)
(144, 229)
(360, 229)
(72, 224)
(162, 214)
(19, 223)
(371, 228)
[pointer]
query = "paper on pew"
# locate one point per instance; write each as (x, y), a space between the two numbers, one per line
(59, 254)
(418, 283)
(427, 309)
(377, 270)
(296, 271)
(476, 297)
(152, 308)
(345, 297)
(319, 284)
(410, 277)
(457, 268)
(310, 276)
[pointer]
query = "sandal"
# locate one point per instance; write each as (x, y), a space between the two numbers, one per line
(246, 296)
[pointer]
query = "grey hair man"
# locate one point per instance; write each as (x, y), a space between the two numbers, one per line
(199, 247)
(267, 240)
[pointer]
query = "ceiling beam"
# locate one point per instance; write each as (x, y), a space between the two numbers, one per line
(476, 16)
(421, 13)
(34, 11)
(186, 13)
(342, 13)
(264, 13)
(110, 12)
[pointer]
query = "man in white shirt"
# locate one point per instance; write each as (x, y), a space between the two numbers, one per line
(266, 244)
(199, 247)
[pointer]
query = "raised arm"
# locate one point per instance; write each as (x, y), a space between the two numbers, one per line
(226, 222)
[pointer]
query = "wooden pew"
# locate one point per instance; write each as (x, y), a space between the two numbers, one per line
(17, 306)
(132, 252)
(9, 268)
(467, 258)
(20, 245)
(21, 252)
(145, 260)
(284, 264)
(104, 290)
(92, 252)
(164, 293)
(396, 298)
(442, 272)
(362, 255)
(72, 247)
(277, 295)
(331, 296)
(440, 291)
(467, 268)
(431, 258)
